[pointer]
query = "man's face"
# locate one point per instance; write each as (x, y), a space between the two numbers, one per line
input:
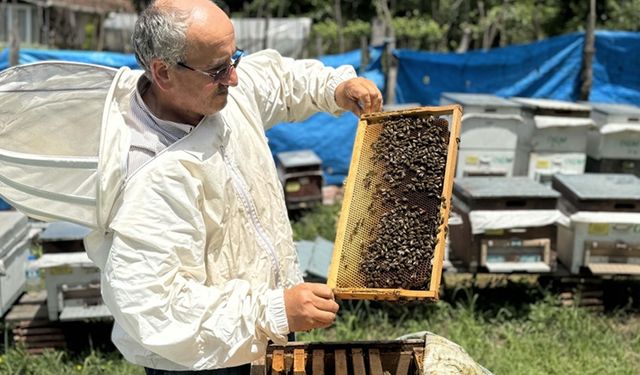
(197, 92)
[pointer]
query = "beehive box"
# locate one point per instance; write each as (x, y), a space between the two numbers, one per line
(392, 227)
(603, 236)
(400, 357)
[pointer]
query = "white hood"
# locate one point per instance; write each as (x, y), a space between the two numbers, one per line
(52, 133)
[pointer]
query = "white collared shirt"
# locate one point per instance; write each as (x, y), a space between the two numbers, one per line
(149, 134)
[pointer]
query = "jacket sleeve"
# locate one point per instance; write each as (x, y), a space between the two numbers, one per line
(154, 283)
(285, 89)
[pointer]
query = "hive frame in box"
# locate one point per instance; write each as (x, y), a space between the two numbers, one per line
(365, 123)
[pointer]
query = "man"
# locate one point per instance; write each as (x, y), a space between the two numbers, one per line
(198, 265)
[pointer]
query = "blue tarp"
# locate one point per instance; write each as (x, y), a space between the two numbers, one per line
(616, 68)
(112, 59)
(4, 205)
(545, 69)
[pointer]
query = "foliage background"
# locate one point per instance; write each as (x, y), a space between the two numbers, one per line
(442, 25)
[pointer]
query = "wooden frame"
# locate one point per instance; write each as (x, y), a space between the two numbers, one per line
(344, 358)
(455, 111)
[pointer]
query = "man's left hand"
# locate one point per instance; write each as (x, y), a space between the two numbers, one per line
(359, 95)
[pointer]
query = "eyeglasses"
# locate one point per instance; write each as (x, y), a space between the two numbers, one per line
(223, 73)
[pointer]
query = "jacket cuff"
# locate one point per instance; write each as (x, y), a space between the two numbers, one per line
(276, 314)
(341, 74)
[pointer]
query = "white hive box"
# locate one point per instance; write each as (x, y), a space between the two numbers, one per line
(614, 147)
(72, 282)
(71, 279)
(509, 224)
(489, 134)
(14, 251)
(603, 236)
(556, 138)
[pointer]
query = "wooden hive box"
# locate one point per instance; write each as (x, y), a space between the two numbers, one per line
(391, 231)
(523, 246)
(344, 358)
(603, 236)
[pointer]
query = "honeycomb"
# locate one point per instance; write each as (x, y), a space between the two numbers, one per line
(391, 230)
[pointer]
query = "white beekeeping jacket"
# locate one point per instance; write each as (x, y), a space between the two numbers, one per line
(52, 141)
(195, 246)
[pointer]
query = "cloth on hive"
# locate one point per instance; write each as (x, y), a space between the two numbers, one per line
(444, 357)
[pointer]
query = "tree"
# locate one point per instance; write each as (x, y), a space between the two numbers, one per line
(586, 75)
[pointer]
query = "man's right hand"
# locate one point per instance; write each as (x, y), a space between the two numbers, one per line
(309, 305)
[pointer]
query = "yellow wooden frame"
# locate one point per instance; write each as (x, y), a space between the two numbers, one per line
(455, 111)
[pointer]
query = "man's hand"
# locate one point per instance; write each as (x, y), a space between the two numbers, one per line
(359, 95)
(309, 305)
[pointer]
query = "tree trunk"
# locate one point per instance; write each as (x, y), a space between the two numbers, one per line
(389, 62)
(338, 14)
(586, 74)
(364, 52)
(319, 46)
(14, 42)
(465, 40)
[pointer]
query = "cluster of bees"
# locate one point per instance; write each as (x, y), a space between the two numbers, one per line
(412, 154)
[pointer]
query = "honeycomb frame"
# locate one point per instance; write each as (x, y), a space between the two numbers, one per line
(358, 216)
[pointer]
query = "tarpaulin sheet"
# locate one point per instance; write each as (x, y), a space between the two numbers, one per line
(544, 69)
(111, 59)
(4, 205)
(549, 69)
(616, 68)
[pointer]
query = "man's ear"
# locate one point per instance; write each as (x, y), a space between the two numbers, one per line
(161, 74)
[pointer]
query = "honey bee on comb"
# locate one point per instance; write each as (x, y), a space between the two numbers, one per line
(412, 152)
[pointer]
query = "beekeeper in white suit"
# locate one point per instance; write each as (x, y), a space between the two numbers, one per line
(198, 265)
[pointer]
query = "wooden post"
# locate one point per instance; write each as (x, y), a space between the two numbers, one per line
(392, 72)
(100, 29)
(319, 46)
(586, 74)
(338, 13)
(364, 52)
(14, 41)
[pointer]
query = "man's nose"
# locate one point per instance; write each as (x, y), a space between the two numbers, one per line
(232, 78)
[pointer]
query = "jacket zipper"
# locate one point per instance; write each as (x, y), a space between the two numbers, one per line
(243, 193)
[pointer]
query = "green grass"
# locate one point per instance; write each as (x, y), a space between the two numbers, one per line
(16, 362)
(320, 221)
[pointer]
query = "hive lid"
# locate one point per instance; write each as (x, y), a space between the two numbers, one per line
(543, 122)
(599, 186)
(501, 187)
(64, 231)
(301, 158)
(484, 100)
(614, 269)
(616, 109)
(536, 104)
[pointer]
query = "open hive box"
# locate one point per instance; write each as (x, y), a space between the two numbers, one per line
(392, 227)
(344, 358)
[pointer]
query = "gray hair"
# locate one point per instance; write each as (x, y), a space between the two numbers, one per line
(160, 33)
